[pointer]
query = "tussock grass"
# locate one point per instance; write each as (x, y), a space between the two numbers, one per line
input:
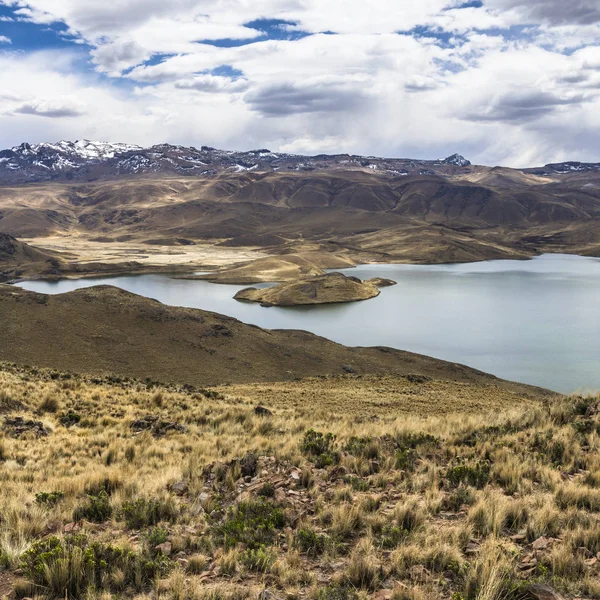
(427, 506)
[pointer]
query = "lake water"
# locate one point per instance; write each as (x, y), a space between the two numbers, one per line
(532, 321)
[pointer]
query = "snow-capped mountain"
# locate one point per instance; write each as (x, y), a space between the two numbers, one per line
(86, 160)
(457, 160)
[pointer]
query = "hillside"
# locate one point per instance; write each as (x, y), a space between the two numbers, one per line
(20, 259)
(448, 217)
(348, 488)
(108, 330)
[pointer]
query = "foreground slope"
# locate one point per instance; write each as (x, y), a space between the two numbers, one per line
(105, 329)
(117, 488)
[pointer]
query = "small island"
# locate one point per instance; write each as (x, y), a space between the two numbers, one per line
(331, 288)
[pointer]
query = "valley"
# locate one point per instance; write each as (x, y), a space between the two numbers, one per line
(194, 447)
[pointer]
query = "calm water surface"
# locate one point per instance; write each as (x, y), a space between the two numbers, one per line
(536, 321)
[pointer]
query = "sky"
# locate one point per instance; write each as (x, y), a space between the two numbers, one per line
(503, 82)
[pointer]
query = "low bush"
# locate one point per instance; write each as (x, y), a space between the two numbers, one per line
(252, 523)
(71, 567)
(49, 498)
(258, 559)
(320, 448)
(309, 542)
(97, 509)
(476, 474)
(145, 512)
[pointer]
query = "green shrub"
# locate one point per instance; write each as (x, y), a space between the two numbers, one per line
(97, 510)
(267, 490)
(309, 542)
(258, 559)
(252, 523)
(320, 448)
(406, 459)
(69, 419)
(414, 440)
(364, 447)
(392, 536)
(476, 474)
(49, 498)
(145, 512)
(358, 484)
(72, 567)
(459, 497)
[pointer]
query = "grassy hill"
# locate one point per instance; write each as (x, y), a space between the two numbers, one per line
(337, 488)
(107, 330)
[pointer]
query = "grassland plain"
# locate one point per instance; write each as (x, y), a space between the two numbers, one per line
(113, 488)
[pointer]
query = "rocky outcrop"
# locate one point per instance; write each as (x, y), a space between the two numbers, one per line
(381, 282)
(331, 288)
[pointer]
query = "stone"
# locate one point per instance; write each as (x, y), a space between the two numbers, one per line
(179, 488)
(540, 592)
(18, 426)
(164, 548)
(541, 543)
(261, 411)
(157, 427)
(249, 465)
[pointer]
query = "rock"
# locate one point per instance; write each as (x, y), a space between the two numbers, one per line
(382, 282)
(156, 426)
(18, 426)
(383, 595)
(164, 548)
(539, 592)
(179, 488)
(348, 369)
(472, 548)
(71, 527)
(249, 465)
(541, 543)
(261, 411)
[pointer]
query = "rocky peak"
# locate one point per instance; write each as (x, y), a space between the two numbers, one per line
(457, 160)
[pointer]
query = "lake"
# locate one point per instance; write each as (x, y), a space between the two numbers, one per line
(534, 321)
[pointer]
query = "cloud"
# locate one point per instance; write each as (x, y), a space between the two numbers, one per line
(209, 83)
(291, 99)
(518, 106)
(501, 81)
(50, 109)
(554, 12)
(5, 40)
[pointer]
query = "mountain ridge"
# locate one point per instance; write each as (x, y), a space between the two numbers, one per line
(85, 160)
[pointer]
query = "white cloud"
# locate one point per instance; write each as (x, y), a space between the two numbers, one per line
(464, 81)
(5, 40)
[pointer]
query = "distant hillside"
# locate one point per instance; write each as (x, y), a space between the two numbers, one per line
(18, 258)
(475, 215)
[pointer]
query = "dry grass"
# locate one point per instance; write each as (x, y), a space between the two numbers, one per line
(427, 507)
